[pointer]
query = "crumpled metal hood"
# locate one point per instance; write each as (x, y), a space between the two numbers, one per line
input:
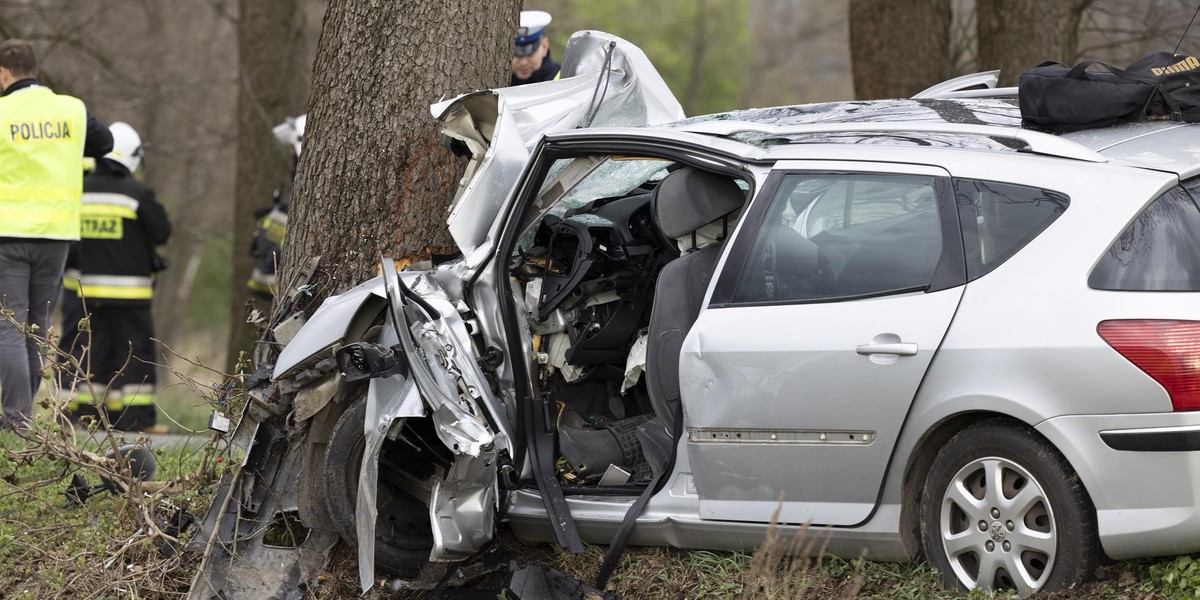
(605, 81)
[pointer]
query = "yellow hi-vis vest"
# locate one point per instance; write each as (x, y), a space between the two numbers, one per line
(41, 182)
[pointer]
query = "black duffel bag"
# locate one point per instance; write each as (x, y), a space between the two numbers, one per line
(1178, 85)
(1058, 98)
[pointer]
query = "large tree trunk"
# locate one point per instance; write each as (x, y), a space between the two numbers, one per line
(1016, 35)
(272, 88)
(899, 47)
(373, 178)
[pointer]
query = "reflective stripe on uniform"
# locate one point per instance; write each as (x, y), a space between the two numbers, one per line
(93, 200)
(81, 396)
(104, 215)
(108, 210)
(113, 287)
(137, 400)
(71, 280)
(261, 282)
(138, 394)
(275, 226)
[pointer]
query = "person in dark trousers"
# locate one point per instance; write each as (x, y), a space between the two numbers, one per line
(531, 62)
(271, 227)
(110, 281)
(43, 139)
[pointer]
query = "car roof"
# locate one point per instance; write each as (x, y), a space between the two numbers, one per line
(971, 124)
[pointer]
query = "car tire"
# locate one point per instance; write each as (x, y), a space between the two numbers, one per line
(1003, 509)
(402, 533)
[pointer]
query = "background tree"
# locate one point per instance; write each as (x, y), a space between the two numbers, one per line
(274, 85)
(373, 177)
(703, 48)
(1016, 35)
(899, 47)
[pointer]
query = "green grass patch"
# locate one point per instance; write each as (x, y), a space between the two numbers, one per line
(113, 545)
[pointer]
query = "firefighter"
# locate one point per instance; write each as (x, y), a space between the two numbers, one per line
(43, 138)
(531, 62)
(272, 222)
(109, 280)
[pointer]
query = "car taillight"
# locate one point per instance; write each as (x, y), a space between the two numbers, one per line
(1168, 351)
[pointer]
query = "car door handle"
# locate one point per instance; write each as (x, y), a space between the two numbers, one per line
(898, 348)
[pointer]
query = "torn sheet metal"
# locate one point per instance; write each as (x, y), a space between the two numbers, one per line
(463, 508)
(378, 421)
(500, 126)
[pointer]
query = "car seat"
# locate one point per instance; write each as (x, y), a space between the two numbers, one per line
(685, 201)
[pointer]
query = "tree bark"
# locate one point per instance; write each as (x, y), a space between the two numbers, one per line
(373, 178)
(899, 47)
(271, 88)
(1016, 35)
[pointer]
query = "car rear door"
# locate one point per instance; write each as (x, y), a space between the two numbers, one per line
(830, 306)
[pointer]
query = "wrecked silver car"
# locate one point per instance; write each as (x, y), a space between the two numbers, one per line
(909, 327)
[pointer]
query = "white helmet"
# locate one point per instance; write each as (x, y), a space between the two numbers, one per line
(291, 132)
(127, 146)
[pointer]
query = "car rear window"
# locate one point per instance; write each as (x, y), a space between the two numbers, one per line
(1159, 251)
(998, 219)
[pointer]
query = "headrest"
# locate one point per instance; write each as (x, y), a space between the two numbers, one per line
(688, 199)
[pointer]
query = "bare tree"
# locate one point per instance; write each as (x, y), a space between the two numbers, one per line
(1015, 35)
(899, 47)
(270, 34)
(373, 177)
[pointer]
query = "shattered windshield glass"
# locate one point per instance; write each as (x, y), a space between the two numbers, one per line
(587, 178)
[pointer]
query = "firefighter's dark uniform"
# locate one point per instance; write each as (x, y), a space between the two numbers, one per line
(267, 244)
(110, 273)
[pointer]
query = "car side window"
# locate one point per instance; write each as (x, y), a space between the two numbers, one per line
(998, 219)
(1159, 251)
(833, 236)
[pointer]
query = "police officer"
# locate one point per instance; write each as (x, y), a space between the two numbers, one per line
(43, 138)
(531, 61)
(272, 222)
(109, 279)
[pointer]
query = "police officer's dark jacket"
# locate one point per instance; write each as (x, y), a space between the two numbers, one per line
(122, 222)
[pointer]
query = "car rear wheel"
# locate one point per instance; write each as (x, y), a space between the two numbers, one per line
(1002, 509)
(403, 536)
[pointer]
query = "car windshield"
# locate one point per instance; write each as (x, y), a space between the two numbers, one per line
(575, 182)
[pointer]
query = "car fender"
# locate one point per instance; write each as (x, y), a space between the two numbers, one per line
(327, 327)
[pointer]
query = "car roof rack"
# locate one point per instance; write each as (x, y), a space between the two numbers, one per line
(1036, 141)
(973, 85)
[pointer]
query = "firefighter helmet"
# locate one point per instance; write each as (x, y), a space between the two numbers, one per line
(127, 146)
(291, 132)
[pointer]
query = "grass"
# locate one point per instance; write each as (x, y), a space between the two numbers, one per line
(113, 545)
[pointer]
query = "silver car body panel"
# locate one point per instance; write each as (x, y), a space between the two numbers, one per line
(799, 370)
(400, 401)
(1045, 365)
(1164, 146)
(500, 126)
(438, 350)
(769, 358)
(1146, 505)
(326, 328)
